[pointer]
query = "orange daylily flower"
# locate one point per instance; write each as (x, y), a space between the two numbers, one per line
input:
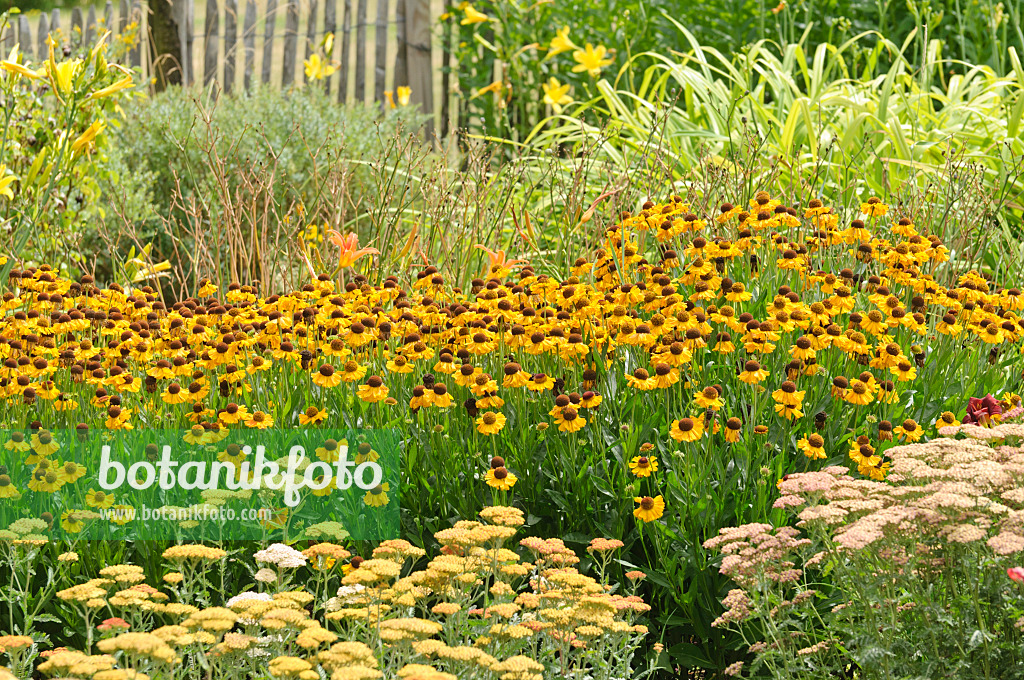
(498, 265)
(350, 250)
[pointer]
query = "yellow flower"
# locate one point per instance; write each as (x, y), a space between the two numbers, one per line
(62, 75)
(556, 95)
(473, 16)
(70, 522)
(494, 87)
(490, 423)
(11, 65)
(98, 499)
(87, 137)
(500, 478)
(591, 60)
(403, 93)
(5, 182)
(643, 466)
(561, 43)
(649, 509)
(318, 68)
(378, 496)
(813, 446)
(122, 84)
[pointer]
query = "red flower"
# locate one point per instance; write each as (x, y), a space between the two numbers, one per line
(1016, 574)
(981, 411)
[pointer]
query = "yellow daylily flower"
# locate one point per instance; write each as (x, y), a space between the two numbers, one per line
(318, 69)
(11, 65)
(561, 43)
(473, 17)
(87, 137)
(5, 182)
(61, 75)
(122, 84)
(556, 94)
(495, 87)
(591, 60)
(403, 95)
(390, 98)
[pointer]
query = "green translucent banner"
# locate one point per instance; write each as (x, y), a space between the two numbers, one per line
(199, 484)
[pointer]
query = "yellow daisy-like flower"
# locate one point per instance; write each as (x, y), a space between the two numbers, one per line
(71, 522)
(98, 499)
(490, 423)
(687, 429)
(643, 466)
(378, 496)
(312, 416)
(373, 390)
(649, 509)
(813, 446)
(500, 478)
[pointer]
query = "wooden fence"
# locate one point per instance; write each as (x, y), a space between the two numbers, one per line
(84, 28)
(379, 45)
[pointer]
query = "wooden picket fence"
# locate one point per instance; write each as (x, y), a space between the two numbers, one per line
(379, 45)
(84, 28)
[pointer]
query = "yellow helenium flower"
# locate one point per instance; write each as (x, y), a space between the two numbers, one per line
(643, 466)
(649, 509)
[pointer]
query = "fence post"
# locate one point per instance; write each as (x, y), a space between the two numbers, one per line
(380, 59)
(330, 26)
(76, 23)
(420, 57)
(185, 16)
(41, 34)
(210, 38)
(25, 37)
(346, 27)
(311, 29)
(268, 40)
(402, 54)
(360, 93)
(90, 26)
(122, 19)
(249, 43)
(135, 54)
(55, 25)
(230, 42)
(291, 35)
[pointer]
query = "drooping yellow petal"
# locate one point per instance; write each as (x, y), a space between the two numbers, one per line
(122, 84)
(473, 16)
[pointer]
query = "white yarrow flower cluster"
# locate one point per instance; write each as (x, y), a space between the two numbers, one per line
(281, 556)
(265, 575)
(248, 595)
